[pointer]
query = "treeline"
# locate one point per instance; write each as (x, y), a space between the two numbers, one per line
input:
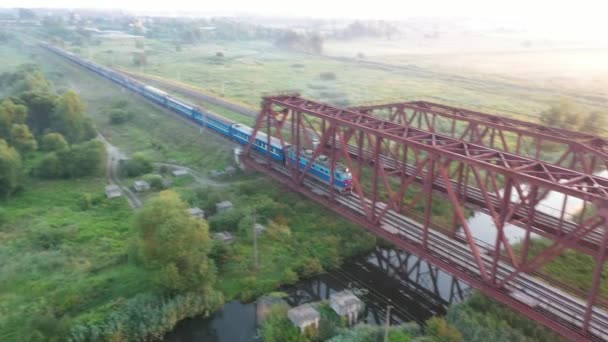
(300, 42)
(36, 120)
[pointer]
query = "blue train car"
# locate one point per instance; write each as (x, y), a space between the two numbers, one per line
(321, 169)
(216, 124)
(182, 108)
(157, 95)
(242, 133)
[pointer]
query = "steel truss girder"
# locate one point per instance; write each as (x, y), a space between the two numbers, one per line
(586, 150)
(574, 183)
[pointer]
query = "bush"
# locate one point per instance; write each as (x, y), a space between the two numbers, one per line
(53, 142)
(278, 328)
(228, 220)
(87, 159)
(86, 201)
(155, 181)
(143, 317)
(139, 164)
(119, 116)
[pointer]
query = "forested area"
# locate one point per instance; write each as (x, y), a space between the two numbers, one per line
(43, 133)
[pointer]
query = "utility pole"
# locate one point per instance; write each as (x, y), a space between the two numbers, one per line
(388, 322)
(255, 243)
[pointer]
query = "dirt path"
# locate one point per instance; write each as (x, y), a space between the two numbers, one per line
(200, 179)
(114, 156)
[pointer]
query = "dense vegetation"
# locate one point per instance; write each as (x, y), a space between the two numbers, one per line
(481, 319)
(278, 328)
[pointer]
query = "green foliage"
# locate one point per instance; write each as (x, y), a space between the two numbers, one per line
(137, 165)
(119, 116)
(69, 119)
(27, 77)
(375, 333)
(482, 319)
(86, 159)
(142, 318)
(10, 169)
(53, 142)
(10, 114)
(278, 328)
(41, 106)
(439, 328)
(22, 139)
(155, 181)
(175, 246)
(228, 220)
(595, 123)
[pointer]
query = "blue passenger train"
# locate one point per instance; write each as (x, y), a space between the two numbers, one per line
(320, 168)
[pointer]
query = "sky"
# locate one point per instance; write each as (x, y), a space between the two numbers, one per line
(580, 16)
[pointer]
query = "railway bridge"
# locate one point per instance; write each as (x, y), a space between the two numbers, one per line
(509, 185)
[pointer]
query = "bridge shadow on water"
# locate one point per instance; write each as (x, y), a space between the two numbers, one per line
(415, 290)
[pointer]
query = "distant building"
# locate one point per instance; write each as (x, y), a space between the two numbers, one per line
(346, 304)
(197, 212)
(179, 172)
(225, 237)
(304, 316)
(223, 206)
(140, 185)
(113, 191)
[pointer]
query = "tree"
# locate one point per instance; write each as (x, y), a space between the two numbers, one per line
(40, 106)
(440, 328)
(86, 159)
(50, 167)
(138, 165)
(53, 142)
(119, 116)
(175, 245)
(10, 113)
(278, 328)
(10, 169)
(68, 118)
(22, 139)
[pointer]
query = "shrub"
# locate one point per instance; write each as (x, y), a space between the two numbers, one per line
(119, 116)
(137, 165)
(155, 181)
(144, 317)
(53, 142)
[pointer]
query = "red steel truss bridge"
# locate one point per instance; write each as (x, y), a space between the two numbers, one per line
(412, 160)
